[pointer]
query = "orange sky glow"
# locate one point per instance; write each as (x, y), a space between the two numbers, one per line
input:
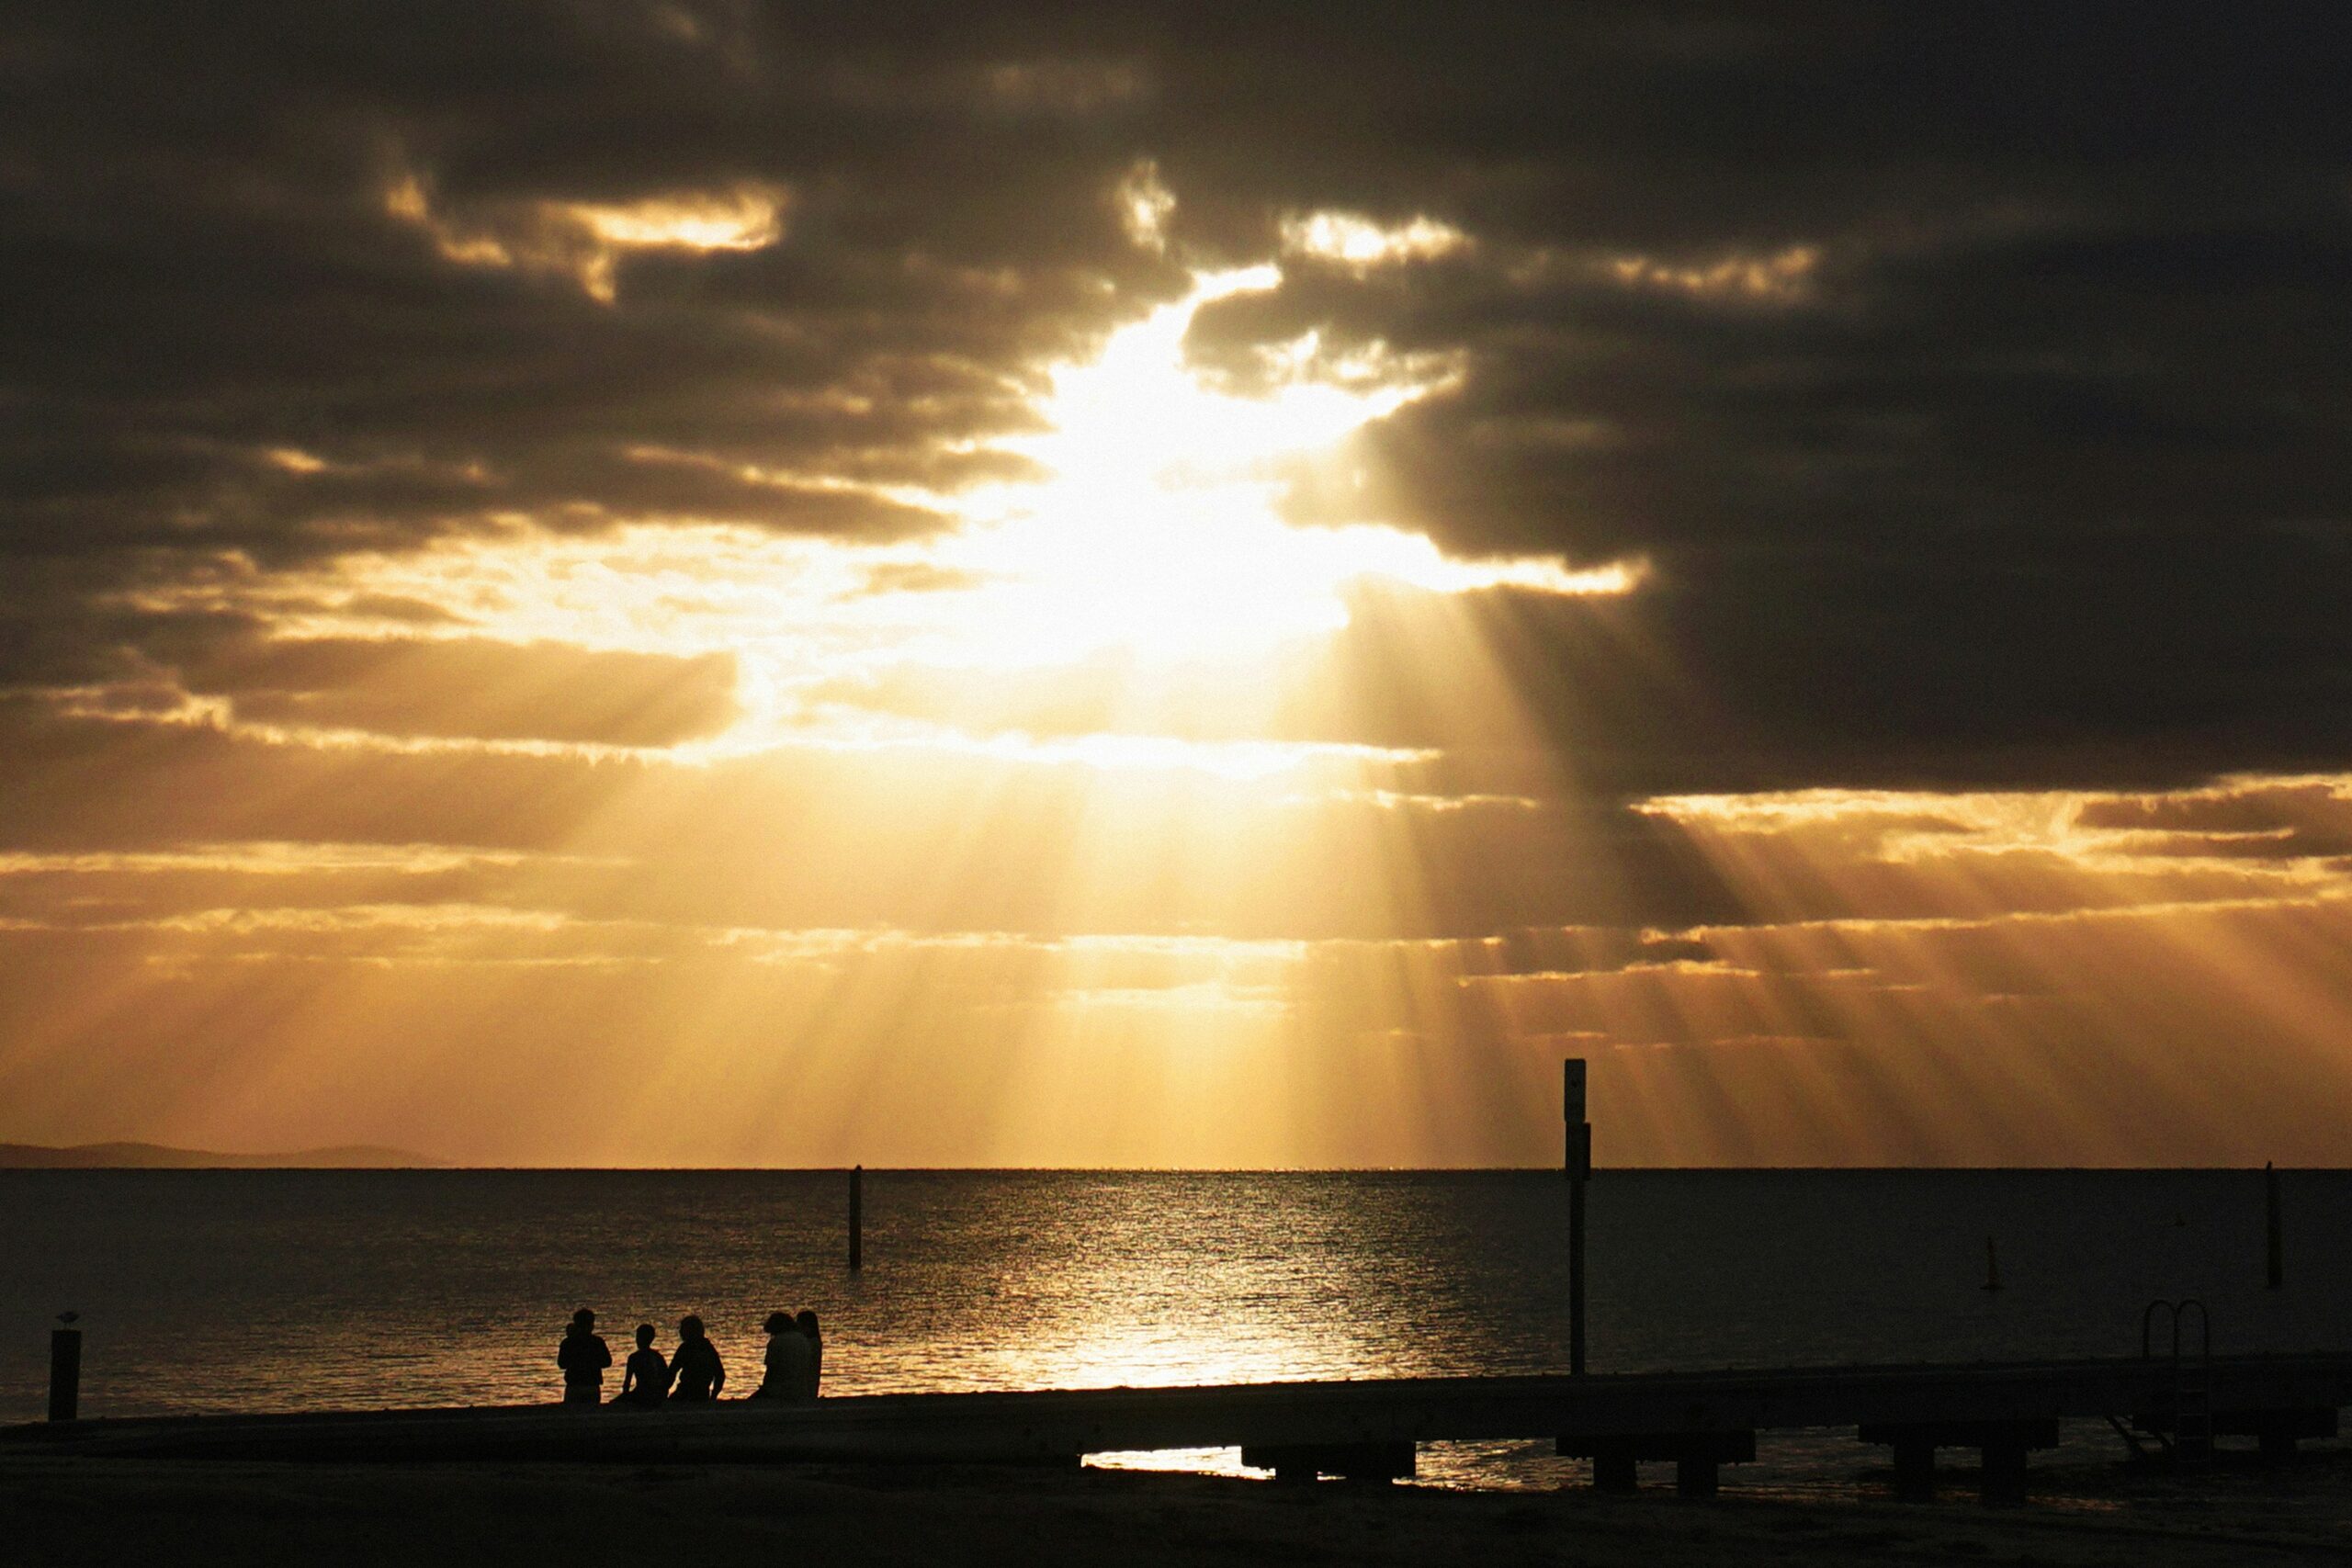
(1158, 791)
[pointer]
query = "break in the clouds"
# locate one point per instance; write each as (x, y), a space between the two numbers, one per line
(1787, 553)
(1970, 389)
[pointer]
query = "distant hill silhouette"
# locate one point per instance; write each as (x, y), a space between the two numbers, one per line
(157, 1156)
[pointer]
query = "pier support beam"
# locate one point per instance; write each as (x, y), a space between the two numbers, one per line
(2002, 1443)
(1697, 1475)
(1915, 1469)
(2002, 1473)
(1697, 1458)
(2278, 1431)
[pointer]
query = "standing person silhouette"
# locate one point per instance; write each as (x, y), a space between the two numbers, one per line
(645, 1379)
(583, 1358)
(697, 1367)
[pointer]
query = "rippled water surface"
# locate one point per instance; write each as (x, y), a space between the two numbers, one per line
(217, 1290)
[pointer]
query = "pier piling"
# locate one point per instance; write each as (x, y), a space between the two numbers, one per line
(65, 1373)
(1698, 1456)
(1615, 1470)
(2001, 1443)
(2002, 1483)
(2276, 1275)
(1915, 1468)
(1579, 1161)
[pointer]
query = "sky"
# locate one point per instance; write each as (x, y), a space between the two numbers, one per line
(704, 583)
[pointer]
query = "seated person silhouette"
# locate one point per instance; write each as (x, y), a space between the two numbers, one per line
(583, 1359)
(696, 1368)
(815, 1349)
(645, 1379)
(791, 1360)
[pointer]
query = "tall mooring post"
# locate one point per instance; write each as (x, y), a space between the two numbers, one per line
(65, 1373)
(856, 1217)
(2275, 1275)
(1578, 1164)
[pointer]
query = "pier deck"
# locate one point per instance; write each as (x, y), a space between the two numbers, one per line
(1363, 1427)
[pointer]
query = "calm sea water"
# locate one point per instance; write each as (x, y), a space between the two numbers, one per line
(279, 1290)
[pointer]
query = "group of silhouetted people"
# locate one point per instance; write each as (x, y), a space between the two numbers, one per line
(693, 1373)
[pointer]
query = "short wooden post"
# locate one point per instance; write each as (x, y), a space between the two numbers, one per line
(2276, 1273)
(1578, 1162)
(857, 1218)
(65, 1373)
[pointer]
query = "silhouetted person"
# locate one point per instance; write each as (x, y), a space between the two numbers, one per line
(791, 1360)
(816, 1339)
(645, 1379)
(583, 1359)
(696, 1368)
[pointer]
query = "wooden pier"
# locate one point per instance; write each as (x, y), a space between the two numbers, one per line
(1366, 1429)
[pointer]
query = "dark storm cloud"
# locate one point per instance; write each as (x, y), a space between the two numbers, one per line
(1974, 380)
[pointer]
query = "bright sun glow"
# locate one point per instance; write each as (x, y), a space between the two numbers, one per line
(1360, 244)
(1156, 532)
(741, 220)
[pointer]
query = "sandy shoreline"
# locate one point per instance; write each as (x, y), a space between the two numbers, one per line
(80, 1511)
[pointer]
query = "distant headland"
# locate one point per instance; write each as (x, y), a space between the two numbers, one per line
(159, 1156)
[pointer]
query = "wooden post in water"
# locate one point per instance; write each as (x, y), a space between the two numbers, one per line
(2277, 1275)
(65, 1373)
(857, 1218)
(1578, 1162)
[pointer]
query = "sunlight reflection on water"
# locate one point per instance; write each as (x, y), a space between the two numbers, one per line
(275, 1290)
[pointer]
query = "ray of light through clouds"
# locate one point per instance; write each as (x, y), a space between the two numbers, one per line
(791, 596)
(1148, 543)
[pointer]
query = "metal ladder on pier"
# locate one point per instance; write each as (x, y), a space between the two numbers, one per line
(2190, 1411)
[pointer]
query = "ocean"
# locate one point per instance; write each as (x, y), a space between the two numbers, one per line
(228, 1290)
